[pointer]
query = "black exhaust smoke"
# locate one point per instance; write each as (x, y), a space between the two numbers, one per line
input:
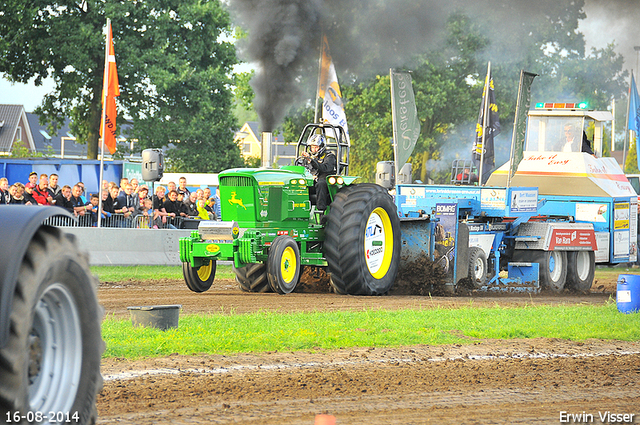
(367, 37)
(282, 35)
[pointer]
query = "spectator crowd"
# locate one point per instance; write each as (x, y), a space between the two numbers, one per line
(127, 204)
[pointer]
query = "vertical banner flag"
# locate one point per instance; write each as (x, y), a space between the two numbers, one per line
(329, 90)
(520, 122)
(634, 114)
(487, 127)
(634, 107)
(110, 89)
(406, 126)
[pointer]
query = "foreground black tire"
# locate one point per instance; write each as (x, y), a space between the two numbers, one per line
(362, 241)
(283, 265)
(477, 267)
(552, 267)
(252, 277)
(581, 269)
(52, 360)
(199, 279)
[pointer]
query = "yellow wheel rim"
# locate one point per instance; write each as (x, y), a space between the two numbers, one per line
(288, 264)
(379, 242)
(204, 272)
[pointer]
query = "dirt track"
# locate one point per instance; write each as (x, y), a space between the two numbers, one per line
(502, 382)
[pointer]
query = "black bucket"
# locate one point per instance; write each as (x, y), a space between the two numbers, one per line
(156, 316)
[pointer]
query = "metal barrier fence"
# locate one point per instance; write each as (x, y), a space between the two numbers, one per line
(119, 220)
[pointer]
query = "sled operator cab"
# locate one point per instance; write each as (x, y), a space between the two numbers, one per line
(562, 127)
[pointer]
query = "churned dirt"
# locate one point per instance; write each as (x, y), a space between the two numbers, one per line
(487, 381)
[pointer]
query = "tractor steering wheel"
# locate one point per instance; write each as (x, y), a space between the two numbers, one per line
(304, 161)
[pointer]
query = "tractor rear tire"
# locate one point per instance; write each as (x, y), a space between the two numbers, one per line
(51, 362)
(199, 279)
(283, 265)
(552, 267)
(362, 240)
(252, 277)
(477, 267)
(581, 269)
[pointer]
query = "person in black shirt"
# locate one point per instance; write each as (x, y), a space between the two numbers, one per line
(191, 205)
(323, 164)
(54, 188)
(28, 194)
(17, 192)
(63, 199)
(182, 188)
(173, 207)
(4, 191)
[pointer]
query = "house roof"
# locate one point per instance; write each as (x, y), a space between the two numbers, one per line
(10, 116)
(255, 128)
(249, 130)
(280, 151)
(43, 138)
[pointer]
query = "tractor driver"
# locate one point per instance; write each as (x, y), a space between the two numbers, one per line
(323, 164)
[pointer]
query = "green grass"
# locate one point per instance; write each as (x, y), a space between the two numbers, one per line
(611, 273)
(266, 331)
(146, 273)
(130, 273)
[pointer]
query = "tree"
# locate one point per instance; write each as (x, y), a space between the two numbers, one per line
(631, 163)
(174, 71)
(370, 126)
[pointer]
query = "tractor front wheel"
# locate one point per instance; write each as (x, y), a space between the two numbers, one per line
(362, 244)
(199, 279)
(283, 265)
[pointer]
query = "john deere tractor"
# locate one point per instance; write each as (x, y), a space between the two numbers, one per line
(271, 228)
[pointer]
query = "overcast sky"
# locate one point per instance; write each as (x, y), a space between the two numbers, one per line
(604, 24)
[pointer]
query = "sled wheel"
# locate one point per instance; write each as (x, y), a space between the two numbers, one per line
(477, 267)
(252, 277)
(56, 317)
(283, 265)
(362, 244)
(552, 267)
(199, 279)
(581, 268)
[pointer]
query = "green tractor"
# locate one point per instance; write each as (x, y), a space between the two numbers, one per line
(270, 228)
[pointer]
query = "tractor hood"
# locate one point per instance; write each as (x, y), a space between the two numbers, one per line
(268, 176)
(251, 196)
(567, 173)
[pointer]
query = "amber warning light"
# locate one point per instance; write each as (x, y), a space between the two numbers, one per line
(545, 105)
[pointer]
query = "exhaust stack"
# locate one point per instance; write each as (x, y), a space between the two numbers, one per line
(267, 138)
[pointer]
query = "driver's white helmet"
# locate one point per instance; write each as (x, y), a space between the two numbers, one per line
(319, 141)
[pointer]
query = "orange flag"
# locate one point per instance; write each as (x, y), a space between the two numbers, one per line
(112, 89)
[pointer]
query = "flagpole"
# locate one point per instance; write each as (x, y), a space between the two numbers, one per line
(315, 113)
(515, 130)
(105, 84)
(613, 125)
(627, 132)
(485, 108)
